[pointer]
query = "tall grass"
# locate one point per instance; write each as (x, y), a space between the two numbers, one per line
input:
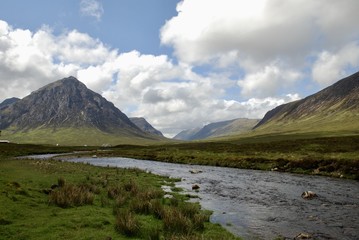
(175, 222)
(71, 195)
(127, 223)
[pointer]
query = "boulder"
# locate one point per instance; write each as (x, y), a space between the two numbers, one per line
(195, 187)
(195, 171)
(303, 236)
(309, 195)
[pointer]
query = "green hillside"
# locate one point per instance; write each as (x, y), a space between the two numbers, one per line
(76, 137)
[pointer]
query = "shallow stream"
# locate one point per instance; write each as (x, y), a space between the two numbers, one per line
(263, 205)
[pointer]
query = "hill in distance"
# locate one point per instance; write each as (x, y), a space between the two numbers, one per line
(145, 126)
(217, 129)
(333, 110)
(67, 112)
(7, 102)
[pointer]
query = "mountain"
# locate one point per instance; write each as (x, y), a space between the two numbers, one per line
(224, 128)
(333, 109)
(142, 124)
(186, 134)
(7, 102)
(66, 111)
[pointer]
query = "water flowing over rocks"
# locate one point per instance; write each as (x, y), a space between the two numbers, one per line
(263, 205)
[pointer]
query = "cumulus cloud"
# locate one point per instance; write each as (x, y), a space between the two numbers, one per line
(29, 60)
(139, 84)
(257, 50)
(253, 34)
(331, 66)
(261, 29)
(183, 116)
(91, 8)
(267, 81)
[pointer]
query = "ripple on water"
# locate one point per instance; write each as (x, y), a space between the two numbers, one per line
(264, 205)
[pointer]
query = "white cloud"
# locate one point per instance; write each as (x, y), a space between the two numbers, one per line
(91, 8)
(29, 60)
(139, 84)
(256, 35)
(178, 115)
(267, 82)
(330, 66)
(260, 49)
(262, 29)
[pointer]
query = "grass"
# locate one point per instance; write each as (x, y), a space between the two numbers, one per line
(75, 137)
(336, 156)
(62, 200)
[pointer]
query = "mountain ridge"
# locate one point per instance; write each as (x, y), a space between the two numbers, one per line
(67, 103)
(145, 126)
(330, 105)
(217, 129)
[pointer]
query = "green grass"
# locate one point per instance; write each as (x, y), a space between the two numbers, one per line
(319, 123)
(74, 137)
(62, 200)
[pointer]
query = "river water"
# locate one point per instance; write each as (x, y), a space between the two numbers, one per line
(263, 205)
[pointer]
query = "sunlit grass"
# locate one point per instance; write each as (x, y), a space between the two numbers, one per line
(43, 199)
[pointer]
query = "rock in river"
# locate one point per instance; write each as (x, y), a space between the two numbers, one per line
(309, 195)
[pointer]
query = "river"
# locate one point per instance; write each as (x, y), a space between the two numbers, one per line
(262, 205)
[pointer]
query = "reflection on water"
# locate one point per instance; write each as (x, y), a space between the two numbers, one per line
(263, 205)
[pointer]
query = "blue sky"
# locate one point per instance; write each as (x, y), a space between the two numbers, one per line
(126, 24)
(180, 63)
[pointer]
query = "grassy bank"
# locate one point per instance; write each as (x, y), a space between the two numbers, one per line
(61, 200)
(330, 156)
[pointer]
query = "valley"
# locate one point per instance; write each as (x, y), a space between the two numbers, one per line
(318, 135)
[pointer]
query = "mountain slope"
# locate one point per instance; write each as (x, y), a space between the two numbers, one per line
(224, 128)
(7, 102)
(187, 134)
(335, 108)
(66, 104)
(142, 124)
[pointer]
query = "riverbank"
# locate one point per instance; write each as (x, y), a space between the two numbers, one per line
(327, 156)
(61, 200)
(260, 204)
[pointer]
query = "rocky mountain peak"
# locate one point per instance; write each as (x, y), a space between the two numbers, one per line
(65, 103)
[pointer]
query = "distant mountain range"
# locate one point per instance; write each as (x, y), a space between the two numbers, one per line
(66, 107)
(67, 112)
(333, 109)
(217, 129)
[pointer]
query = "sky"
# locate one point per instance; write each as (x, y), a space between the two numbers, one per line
(180, 64)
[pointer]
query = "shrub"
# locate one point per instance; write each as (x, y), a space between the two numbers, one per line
(71, 195)
(152, 234)
(139, 206)
(61, 182)
(114, 192)
(131, 187)
(150, 194)
(157, 209)
(199, 220)
(189, 210)
(174, 202)
(120, 200)
(127, 223)
(175, 222)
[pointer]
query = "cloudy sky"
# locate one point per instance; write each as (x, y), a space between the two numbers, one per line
(180, 64)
